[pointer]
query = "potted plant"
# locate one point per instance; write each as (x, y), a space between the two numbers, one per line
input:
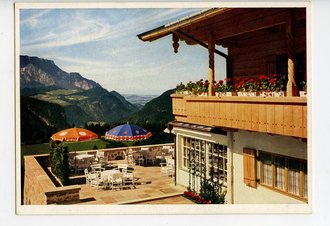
(272, 86)
(201, 88)
(303, 92)
(277, 85)
(180, 88)
(246, 87)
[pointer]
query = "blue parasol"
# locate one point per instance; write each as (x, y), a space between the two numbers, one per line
(127, 132)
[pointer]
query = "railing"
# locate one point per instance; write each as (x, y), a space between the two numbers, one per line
(120, 153)
(275, 115)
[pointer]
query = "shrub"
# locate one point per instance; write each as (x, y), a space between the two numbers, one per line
(59, 161)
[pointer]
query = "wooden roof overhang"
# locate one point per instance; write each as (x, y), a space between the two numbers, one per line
(221, 23)
(220, 26)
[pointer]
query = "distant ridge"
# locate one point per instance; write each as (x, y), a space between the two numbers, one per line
(37, 72)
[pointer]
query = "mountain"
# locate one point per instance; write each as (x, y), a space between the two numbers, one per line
(80, 99)
(37, 120)
(157, 111)
(139, 100)
(36, 72)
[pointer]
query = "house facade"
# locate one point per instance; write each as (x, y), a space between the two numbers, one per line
(252, 147)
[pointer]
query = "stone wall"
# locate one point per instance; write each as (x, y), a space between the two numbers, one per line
(39, 188)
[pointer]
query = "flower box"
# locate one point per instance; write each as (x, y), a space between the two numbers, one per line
(247, 94)
(202, 94)
(272, 94)
(223, 94)
(278, 94)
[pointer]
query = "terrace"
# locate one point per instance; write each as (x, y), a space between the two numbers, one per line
(151, 186)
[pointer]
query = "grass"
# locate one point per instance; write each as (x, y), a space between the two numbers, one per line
(35, 149)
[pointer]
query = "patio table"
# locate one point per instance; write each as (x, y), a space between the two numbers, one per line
(83, 156)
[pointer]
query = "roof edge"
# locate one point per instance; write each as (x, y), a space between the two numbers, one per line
(167, 29)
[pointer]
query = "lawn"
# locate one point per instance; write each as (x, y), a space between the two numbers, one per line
(35, 149)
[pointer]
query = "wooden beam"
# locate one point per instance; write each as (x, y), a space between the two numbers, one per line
(192, 39)
(291, 87)
(211, 47)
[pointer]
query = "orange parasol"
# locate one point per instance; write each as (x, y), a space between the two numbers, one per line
(74, 134)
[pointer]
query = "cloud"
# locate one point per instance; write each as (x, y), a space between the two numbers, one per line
(34, 19)
(78, 29)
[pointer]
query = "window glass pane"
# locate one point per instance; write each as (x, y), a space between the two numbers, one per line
(279, 163)
(305, 182)
(267, 168)
(293, 177)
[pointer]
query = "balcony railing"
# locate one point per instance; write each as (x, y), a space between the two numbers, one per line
(275, 115)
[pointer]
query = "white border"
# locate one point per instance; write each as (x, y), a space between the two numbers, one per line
(157, 209)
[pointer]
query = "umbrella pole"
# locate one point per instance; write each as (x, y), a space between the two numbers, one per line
(75, 159)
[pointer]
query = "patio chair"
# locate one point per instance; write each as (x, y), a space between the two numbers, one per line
(88, 177)
(167, 168)
(151, 157)
(96, 180)
(128, 179)
(138, 158)
(122, 167)
(115, 180)
(96, 167)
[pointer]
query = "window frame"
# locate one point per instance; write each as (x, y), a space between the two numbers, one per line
(302, 183)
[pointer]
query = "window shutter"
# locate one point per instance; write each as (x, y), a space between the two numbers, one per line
(249, 166)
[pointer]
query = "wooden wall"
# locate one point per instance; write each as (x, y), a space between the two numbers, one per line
(253, 53)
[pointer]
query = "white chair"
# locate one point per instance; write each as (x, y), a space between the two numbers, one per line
(95, 180)
(88, 177)
(167, 168)
(115, 180)
(151, 156)
(96, 167)
(122, 167)
(138, 158)
(128, 179)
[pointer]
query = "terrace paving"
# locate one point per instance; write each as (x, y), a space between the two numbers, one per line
(151, 188)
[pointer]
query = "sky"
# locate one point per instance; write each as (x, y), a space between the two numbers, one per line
(102, 45)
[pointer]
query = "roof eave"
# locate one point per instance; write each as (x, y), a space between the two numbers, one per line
(165, 30)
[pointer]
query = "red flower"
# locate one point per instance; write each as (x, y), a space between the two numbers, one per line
(228, 80)
(250, 80)
(272, 81)
(263, 77)
(220, 82)
(238, 79)
(205, 84)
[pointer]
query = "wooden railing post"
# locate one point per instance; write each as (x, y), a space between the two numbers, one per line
(211, 47)
(291, 87)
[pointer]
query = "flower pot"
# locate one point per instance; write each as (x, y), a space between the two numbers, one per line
(223, 94)
(265, 94)
(202, 94)
(247, 94)
(303, 93)
(278, 94)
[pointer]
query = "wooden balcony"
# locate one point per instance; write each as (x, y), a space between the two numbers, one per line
(276, 115)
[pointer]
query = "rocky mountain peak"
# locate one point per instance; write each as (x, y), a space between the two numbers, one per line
(38, 72)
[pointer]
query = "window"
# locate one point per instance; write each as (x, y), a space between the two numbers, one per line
(205, 159)
(284, 174)
(218, 162)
